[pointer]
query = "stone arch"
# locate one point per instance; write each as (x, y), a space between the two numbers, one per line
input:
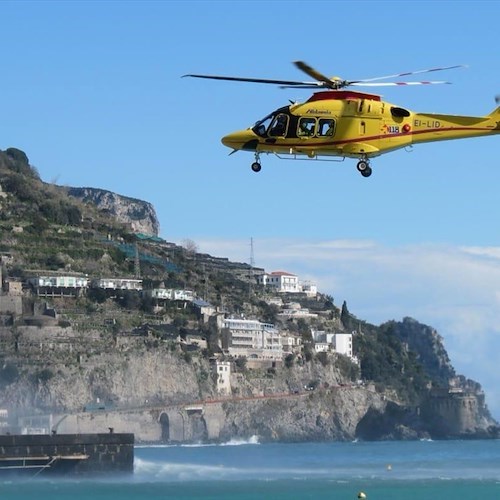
(198, 427)
(165, 427)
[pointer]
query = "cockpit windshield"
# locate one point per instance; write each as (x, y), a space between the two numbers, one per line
(261, 126)
(273, 125)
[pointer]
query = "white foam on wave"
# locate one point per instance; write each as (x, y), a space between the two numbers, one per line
(146, 469)
(232, 442)
(240, 442)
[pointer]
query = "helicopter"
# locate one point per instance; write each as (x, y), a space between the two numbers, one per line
(343, 123)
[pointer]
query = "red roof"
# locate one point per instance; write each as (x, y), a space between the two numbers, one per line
(282, 273)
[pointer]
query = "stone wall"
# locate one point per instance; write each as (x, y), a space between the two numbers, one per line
(79, 454)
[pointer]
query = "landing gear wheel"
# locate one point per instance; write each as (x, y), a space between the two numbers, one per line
(366, 172)
(256, 166)
(364, 167)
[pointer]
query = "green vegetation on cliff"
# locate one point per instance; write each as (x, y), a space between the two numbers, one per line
(43, 229)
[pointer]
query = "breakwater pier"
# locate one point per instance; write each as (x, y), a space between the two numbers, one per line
(75, 454)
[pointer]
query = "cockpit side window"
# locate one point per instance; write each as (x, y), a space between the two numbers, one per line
(307, 127)
(326, 127)
(261, 126)
(279, 126)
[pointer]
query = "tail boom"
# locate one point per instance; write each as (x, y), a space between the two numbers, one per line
(429, 127)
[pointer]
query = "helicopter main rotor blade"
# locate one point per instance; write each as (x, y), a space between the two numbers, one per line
(333, 83)
(407, 74)
(390, 84)
(308, 70)
(257, 80)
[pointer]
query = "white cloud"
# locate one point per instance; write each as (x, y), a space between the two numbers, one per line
(454, 289)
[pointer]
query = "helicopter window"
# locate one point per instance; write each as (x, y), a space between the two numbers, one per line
(326, 127)
(278, 126)
(307, 127)
(261, 126)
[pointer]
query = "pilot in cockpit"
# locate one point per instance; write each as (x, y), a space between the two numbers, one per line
(279, 126)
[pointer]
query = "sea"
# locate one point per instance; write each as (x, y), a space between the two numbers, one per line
(248, 469)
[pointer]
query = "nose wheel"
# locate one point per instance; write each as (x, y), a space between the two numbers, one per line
(364, 168)
(256, 166)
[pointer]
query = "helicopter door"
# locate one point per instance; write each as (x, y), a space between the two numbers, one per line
(279, 126)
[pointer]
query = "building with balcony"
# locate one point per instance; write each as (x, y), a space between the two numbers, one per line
(259, 342)
(281, 281)
(58, 285)
(117, 284)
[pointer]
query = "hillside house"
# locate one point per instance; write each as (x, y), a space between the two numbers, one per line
(54, 285)
(170, 294)
(259, 342)
(204, 309)
(223, 373)
(117, 284)
(340, 343)
(281, 281)
(291, 343)
(295, 310)
(309, 288)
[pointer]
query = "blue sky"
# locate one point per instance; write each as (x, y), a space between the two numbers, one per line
(92, 92)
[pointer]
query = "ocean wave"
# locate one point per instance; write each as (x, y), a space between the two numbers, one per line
(232, 442)
(146, 469)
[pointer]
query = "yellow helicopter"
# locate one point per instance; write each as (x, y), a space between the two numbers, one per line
(348, 124)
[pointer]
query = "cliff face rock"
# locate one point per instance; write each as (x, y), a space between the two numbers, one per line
(61, 369)
(323, 415)
(154, 390)
(140, 215)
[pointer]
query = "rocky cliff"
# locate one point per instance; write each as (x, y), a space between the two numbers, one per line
(133, 354)
(153, 389)
(139, 215)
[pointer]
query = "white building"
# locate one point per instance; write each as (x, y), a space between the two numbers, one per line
(58, 281)
(183, 295)
(117, 284)
(281, 281)
(159, 293)
(223, 371)
(58, 285)
(340, 343)
(169, 294)
(291, 343)
(259, 342)
(309, 288)
(322, 347)
(343, 344)
(294, 310)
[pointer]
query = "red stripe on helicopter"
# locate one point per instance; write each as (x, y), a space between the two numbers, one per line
(301, 145)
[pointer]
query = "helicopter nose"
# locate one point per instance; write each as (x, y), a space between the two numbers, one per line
(243, 139)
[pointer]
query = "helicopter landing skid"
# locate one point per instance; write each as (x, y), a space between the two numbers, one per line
(315, 158)
(363, 165)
